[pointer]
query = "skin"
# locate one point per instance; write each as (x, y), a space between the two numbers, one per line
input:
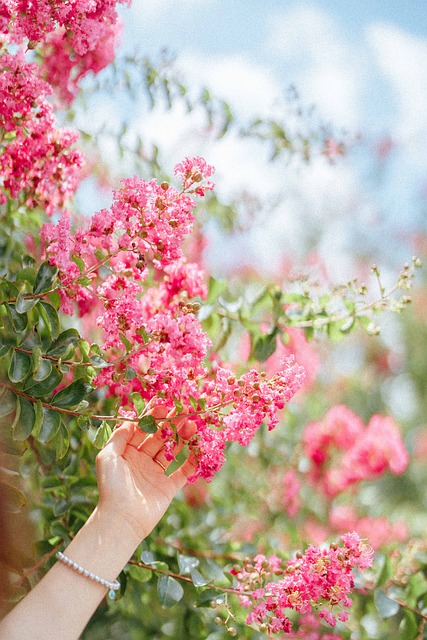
(134, 493)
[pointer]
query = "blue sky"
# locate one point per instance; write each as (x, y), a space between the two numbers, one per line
(363, 64)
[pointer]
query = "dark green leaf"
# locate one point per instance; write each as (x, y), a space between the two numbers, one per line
(45, 277)
(210, 595)
(50, 317)
(61, 507)
(61, 441)
(72, 395)
(4, 349)
(42, 388)
(20, 366)
(50, 425)
(19, 320)
(63, 341)
(385, 606)
(148, 424)
(169, 591)
(264, 346)
(26, 420)
(25, 304)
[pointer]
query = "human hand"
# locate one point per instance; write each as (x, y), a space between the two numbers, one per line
(132, 485)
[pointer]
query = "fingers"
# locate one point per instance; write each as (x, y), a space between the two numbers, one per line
(120, 438)
(153, 445)
(181, 475)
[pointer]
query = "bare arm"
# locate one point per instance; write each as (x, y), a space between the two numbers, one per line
(134, 493)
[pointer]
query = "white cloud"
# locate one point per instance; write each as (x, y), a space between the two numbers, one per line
(403, 59)
(324, 66)
(250, 88)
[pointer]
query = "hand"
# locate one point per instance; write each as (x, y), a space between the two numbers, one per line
(132, 485)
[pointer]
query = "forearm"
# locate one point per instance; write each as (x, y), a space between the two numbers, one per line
(62, 603)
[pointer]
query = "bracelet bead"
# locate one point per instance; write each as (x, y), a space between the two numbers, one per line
(111, 586)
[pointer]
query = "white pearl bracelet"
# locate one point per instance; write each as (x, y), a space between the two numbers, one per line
(111, 586)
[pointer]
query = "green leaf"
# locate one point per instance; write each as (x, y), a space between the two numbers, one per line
(264, 346)
(139, 573)
(36, 358)
(24, 425)
(61, 507)
(4, 349)
(20, 366)
(61, 441)
(187, 563)
(385, 573)
(215, 288)
(79, 262)
(50, 425)
(44, 370)
(38, 418)
(102, 435)
(45, 277)
(408, 628)
(50, 317)
(148, 424)
(7, 402)
(348, 325)
(198, 579)
(19, 320)
(24, 304)
(210, 595)
(169, 591)
(98, 362)
(125, 342)
(334, 331)
(45, 386)
(72, 395)
(63, 341)
(385, 606)
(138, 402)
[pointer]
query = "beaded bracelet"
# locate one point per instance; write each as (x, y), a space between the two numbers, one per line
(111, 586)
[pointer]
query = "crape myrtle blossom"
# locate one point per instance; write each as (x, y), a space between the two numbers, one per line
(343, 451)
(38, 164)
(319, 577)
(85, 22)
(63, 69)
(75, 37)
(129, 261)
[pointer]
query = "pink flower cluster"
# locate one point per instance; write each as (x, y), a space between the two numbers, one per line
(381, 531)
(146, 302)
(343, 451)
(39, 165)
(318, 577)
(78, 36)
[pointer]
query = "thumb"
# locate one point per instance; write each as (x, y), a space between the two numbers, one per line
(120, 438)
